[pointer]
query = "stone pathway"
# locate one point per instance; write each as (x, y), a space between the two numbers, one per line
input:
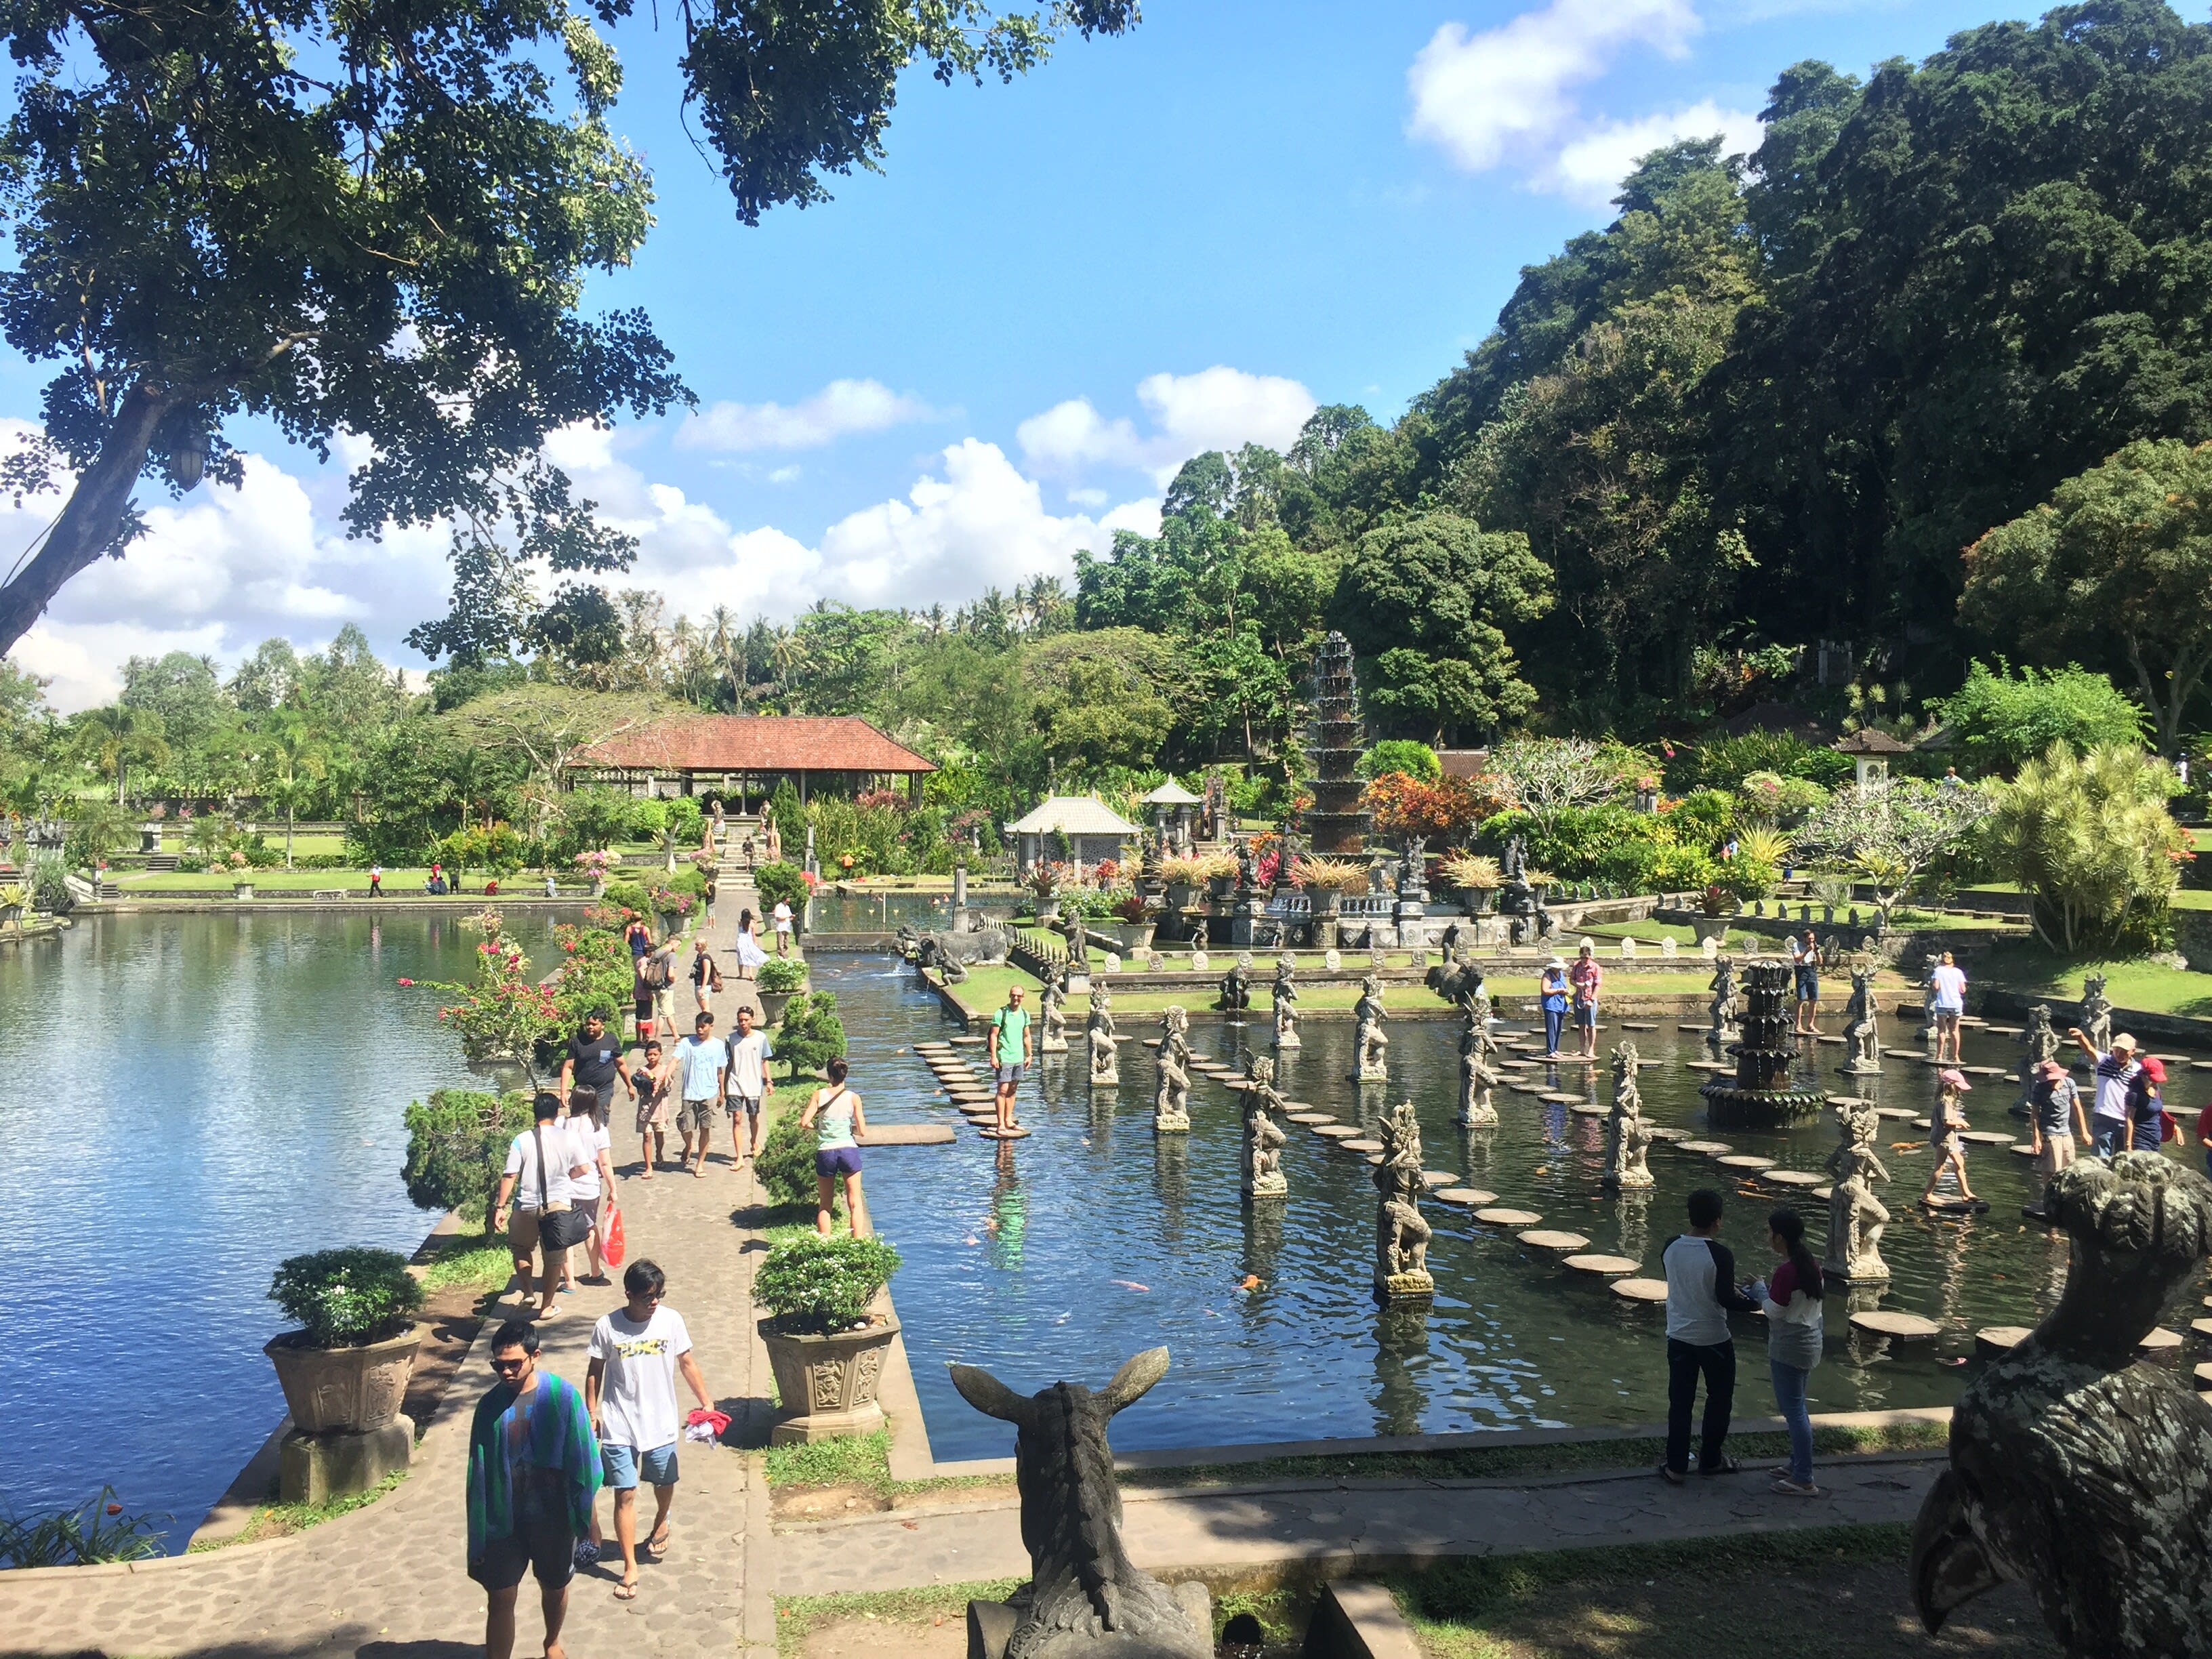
(1370, 1525)
(390, 1581)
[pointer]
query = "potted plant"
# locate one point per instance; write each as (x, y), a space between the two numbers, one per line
(778, 979)
(1135, 925)
(1044, 877)
(346, 1365)
(1220, 874)
(825, 1345)
(1327, 881)
(241, 872)
(13, 896)
(1475, 876)
(1716, 907)
(1184, 877)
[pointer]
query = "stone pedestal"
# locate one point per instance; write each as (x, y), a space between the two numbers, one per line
(1371, 1074)
(960, 921)
(1419, 1286)
(1273, 1185)
(1243, 928)
(1052, 1045)
(314, 1469)
(1170, 1122)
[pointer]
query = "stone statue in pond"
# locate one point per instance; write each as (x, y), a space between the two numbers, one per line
(1105, 1056)
(1052, 1011)
(1927, 1027)
(1285, 999)
(1370, 1047)
(2096, 1013)
(1085, 1599)
(1861, 1034)
(1856, 1216)
(2076, 1469)
(2041, 1041)
(1402, 1237)
(1263, 1140)
(1723, 1008)
(1627, 1136)
(1171, 1097)
(1236, 989)
(1477, 1075)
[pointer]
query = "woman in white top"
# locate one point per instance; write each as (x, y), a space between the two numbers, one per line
(781, 916)
(750, 954)
(1950, 984)
(589, 1131)
(834, 1114)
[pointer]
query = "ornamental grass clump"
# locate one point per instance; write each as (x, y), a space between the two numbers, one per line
(346, 1299)
(813, 1285)
(1326, 875)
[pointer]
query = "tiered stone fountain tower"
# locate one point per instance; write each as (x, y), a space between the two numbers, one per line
(1761, 1095)
(1336, 734)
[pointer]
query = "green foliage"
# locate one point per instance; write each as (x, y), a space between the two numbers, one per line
(785, 1165)
(686, 823)
(596, 975)
(811, 1034)
(456, 1147)
(1996, 721)
(789, 816)
(346, 1297)
(1415, 760)
(2090, 838)
(1771, 797)
(781, 883)
(595, 817)
(812, 1285)
(97, 828)
(1720, 761)
(98, 1529)
(631, 896)
(485, 1266)
(1703, 817)
(781, 974)
(844, 1460)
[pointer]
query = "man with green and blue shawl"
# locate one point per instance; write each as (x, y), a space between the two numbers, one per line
(533, 1473)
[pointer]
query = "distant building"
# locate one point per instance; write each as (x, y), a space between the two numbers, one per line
(1094, 830)
(742, 758)
(1870, 751)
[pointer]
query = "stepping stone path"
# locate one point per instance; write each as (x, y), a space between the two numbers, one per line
(2159, 1341)
(1662, 1132)
(1750, 1161)
(2201, 1327)
(1636, 1025)
(2004, 1030)
(1017, 1133)
(1550, 1240)
(1710, 1148)
(1641, 1290)
(1589, 1108)
(1361, 1146)
(1986, 1070)
(911, 1134)
(1924, 1123)
(1708, 1065)
(1898, 1115)
(1601, 1264)
(1991, 1340)
(1903, 1053)
(1335, 1130)
(1519, 1088)
(1559, 1097)
(1311, 1117)
(1804, 1178)
(1438, 1177)
(1508, 1218)
(1896, 1326)
(2204, 1376)
(2020, 1149)
(1984, 1137)
(1471, 1197)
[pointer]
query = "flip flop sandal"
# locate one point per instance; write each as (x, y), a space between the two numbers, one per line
(626, 1591)
(657, 1544)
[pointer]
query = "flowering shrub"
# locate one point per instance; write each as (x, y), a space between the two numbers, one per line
(880, 798)
(595, 863)
(1046, 877)
(1445, 810)
(501, 1014)
(1108, 872)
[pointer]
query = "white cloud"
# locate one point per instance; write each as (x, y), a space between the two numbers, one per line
(1591, 167)
(1217, 408)
(840, 408)
(1509, 91)
(1089, 498)
(784, 475)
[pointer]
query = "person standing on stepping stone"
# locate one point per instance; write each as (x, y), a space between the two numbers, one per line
(1010, 1052)
(1950, 982)
(533, 1477)
(2054, 1112)
(1552, 992)
(2117, 1070)
(2146, 1107)
(1943, 1125)
(1701, 1293)
(1805, 959)
(1585, 976)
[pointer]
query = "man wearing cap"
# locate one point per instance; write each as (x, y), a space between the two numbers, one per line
(2054, 1114)
(2116, 1072)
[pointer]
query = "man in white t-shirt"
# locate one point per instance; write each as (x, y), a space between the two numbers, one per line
(544, 1195)
(781, 917)
(629, 1387)
(748, 1086)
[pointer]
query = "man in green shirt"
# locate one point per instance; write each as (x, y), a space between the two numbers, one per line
(1010, 1052)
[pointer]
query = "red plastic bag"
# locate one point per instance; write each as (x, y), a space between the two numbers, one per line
(2167, 1128)
(611, 1247)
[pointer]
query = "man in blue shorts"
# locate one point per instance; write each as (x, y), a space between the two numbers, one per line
(1010, 1052)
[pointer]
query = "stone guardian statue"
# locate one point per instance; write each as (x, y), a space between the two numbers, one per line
(1371, 1045)
(1402, 1237)
(1171, 1098)
(1856, 1216)
(1052, 1005)
(1477, 1076)
(1263, 1140)
(1105, 1056)
(1285, 1004)
(1861, 1031)
(1723, 1008)
(2096, 1013)
(1627, 1136)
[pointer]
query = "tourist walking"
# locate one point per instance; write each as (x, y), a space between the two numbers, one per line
(2116, 1071)
(2146, 1107)
(1010, 1052)
(542, 1164)
(706, 974)
(781, 917)
(750, 954)
(595, 1189)
(655, 973)
(649, 1087)
(1950, 982)
(1795, 1319)
(1585, 976)
(833, 1112)
(629, 1386)
(703, 1064)
(376, 881)
(2054, 1114)
(533, 1478)
(749, 1086)
(592, 1066)
(1552, 993)
(1701, 1293)
(1805, 959)
(1944, 1123)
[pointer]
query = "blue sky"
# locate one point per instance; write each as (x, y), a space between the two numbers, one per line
(961, 371)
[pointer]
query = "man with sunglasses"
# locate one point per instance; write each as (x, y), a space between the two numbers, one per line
(534, 1476)
(631, 1386)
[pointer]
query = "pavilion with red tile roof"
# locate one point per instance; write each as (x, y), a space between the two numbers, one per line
(748, 755)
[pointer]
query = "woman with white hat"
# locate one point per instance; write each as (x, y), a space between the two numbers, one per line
(1551, 993)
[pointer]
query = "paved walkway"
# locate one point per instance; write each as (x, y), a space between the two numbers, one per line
(390, 1582)
(1367, 1525)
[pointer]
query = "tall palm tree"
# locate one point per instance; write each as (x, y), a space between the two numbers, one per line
(294, 759)
(116, 738)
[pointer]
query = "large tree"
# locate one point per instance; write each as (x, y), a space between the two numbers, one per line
(377, 219)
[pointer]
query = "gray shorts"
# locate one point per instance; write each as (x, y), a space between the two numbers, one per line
(694, 1116)
(748, 1105)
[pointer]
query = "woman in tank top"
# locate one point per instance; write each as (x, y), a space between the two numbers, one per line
(834, 1114)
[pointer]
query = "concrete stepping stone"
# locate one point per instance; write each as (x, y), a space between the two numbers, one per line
(1896, 1114)
(1710, 1065)
(1589, 1108)
(1984, 1137)
(1903, 1053)
(2203, 1378)
(2004, 1030)
(2201, 1327)
(2160, 1340)
(1991, 1340)
(1520, 1088)
(2200, 1065)
(1311, 1117)
(1668, 1133)
(1561, 1098)
(1338, 1132)
(1896, 1326)
(911, 1134)
(1361, 1143)
(1543, 1239)
(1923, 1122)
(1639, 1025)
(1508, 1218)
(2020, 1149)
(1686, 1026)
(1433, 1178)
(968, 1042)
(1750, 1161)
(1601, 1264)
(1708, 1148)
(1471, 1197)
(993, 1132)
(1824, 1193)
(1986, 1070)
(1642, 1290)
(1800, 1178)
(1829, 1042)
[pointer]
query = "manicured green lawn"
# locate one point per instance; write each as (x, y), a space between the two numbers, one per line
(397, 883)
(2028, 967)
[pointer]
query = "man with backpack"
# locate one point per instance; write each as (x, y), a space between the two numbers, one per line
(656, 979)
(1010, 1052)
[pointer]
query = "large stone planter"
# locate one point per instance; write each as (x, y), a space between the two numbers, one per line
(242, 889)
(773, 1003)
(1135, 936)
(1179, 895)
(827, 1384)
(1711, 927)
(344, 1389)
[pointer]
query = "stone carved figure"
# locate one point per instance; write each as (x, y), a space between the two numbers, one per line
(1085, 1599)
(909, 942)
(1248, 868)
(1402, 1237)
(1627, 1136)
(1413, 870)
(1928, 1028)
(1236, 989)
(1861, 1030)
(1171, 1098)
(1722, 1009)
(1371, 1045)
(1459, 982)
(2096, 1020)
(2070, 1436)
(1052, 1013)
(1478, 1049)
(1263, 1140)
(2041, 1040)
(1105, 1055)
(1286, 997)
(1078, 945)
(1856, 1216)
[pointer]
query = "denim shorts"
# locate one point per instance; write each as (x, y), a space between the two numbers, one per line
(623, 1464)
(834, 1161)
(1586, 1014)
